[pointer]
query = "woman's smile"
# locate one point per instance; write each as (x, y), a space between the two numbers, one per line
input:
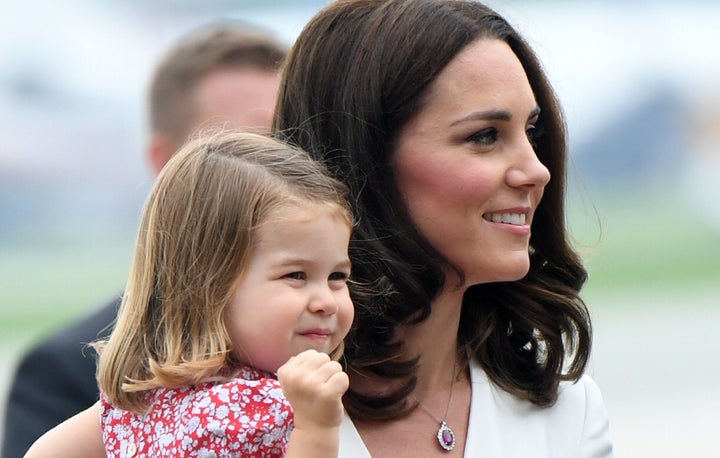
(466, 166)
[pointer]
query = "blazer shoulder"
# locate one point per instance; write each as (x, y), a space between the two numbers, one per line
(585, 397)
(88, 327)
(72, 339)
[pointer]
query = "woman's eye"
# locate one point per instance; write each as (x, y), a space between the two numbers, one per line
(534, 132)
(296, 275)
(484, 137)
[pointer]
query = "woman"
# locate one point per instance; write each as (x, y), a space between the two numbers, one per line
(438, 116)
(470, 338)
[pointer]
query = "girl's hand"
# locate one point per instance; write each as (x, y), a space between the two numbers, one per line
(314, 385)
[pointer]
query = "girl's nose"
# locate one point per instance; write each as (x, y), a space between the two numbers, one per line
(323, 301)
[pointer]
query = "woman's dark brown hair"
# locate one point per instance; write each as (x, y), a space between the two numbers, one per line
(357, 73)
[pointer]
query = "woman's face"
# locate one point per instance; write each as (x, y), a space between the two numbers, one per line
(466, 167)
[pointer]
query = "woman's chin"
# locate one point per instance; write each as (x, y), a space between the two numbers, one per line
(505, 272)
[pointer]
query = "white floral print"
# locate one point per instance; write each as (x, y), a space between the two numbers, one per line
(245, 417)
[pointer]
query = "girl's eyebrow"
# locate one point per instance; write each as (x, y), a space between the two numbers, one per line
(492, 115)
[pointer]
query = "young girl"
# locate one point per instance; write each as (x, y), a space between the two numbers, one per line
(240, 271)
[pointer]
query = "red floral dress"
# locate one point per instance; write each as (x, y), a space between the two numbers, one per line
(245, 417)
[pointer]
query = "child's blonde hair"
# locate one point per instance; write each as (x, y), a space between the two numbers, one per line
(195, 238)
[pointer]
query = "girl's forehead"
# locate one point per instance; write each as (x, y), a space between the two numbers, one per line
(304, 225)
(306, 210)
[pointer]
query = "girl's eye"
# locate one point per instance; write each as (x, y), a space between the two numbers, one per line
(534, 132)
(296, 275)
(484, 137)
(339, 276)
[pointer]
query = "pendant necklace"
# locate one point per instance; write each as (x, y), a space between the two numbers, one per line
(445, 435)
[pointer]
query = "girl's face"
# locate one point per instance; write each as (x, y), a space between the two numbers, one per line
(293, 296)
(466, 167)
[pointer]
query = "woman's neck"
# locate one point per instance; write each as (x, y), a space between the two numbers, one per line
(443, 389)
(435, 342)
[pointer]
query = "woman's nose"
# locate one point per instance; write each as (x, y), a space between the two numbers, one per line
(528, 171)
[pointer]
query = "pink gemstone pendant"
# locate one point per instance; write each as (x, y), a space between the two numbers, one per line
(446, 437)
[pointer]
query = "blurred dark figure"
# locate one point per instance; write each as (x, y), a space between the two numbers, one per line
(221, 74)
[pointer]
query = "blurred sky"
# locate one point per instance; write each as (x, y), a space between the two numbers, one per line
(73, 78)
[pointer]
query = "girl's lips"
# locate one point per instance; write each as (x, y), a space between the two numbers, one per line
(317, 334)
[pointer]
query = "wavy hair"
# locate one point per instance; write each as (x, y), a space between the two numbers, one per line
(357, 73)
(195, 238)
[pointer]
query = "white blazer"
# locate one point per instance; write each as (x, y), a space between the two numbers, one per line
(501, 426)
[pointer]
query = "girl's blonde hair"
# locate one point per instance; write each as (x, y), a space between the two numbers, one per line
(195, 238)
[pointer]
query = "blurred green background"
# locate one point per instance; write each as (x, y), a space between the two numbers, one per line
(640, 83)
(630, 244)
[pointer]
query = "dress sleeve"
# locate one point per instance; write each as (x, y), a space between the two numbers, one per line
(253, 418)
(596, 441)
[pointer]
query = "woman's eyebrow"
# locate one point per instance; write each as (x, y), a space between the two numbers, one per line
(492, 115)
(486, 115)
(534, 113)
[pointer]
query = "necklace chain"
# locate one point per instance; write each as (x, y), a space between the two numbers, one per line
(447, 408)
(445, 435)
